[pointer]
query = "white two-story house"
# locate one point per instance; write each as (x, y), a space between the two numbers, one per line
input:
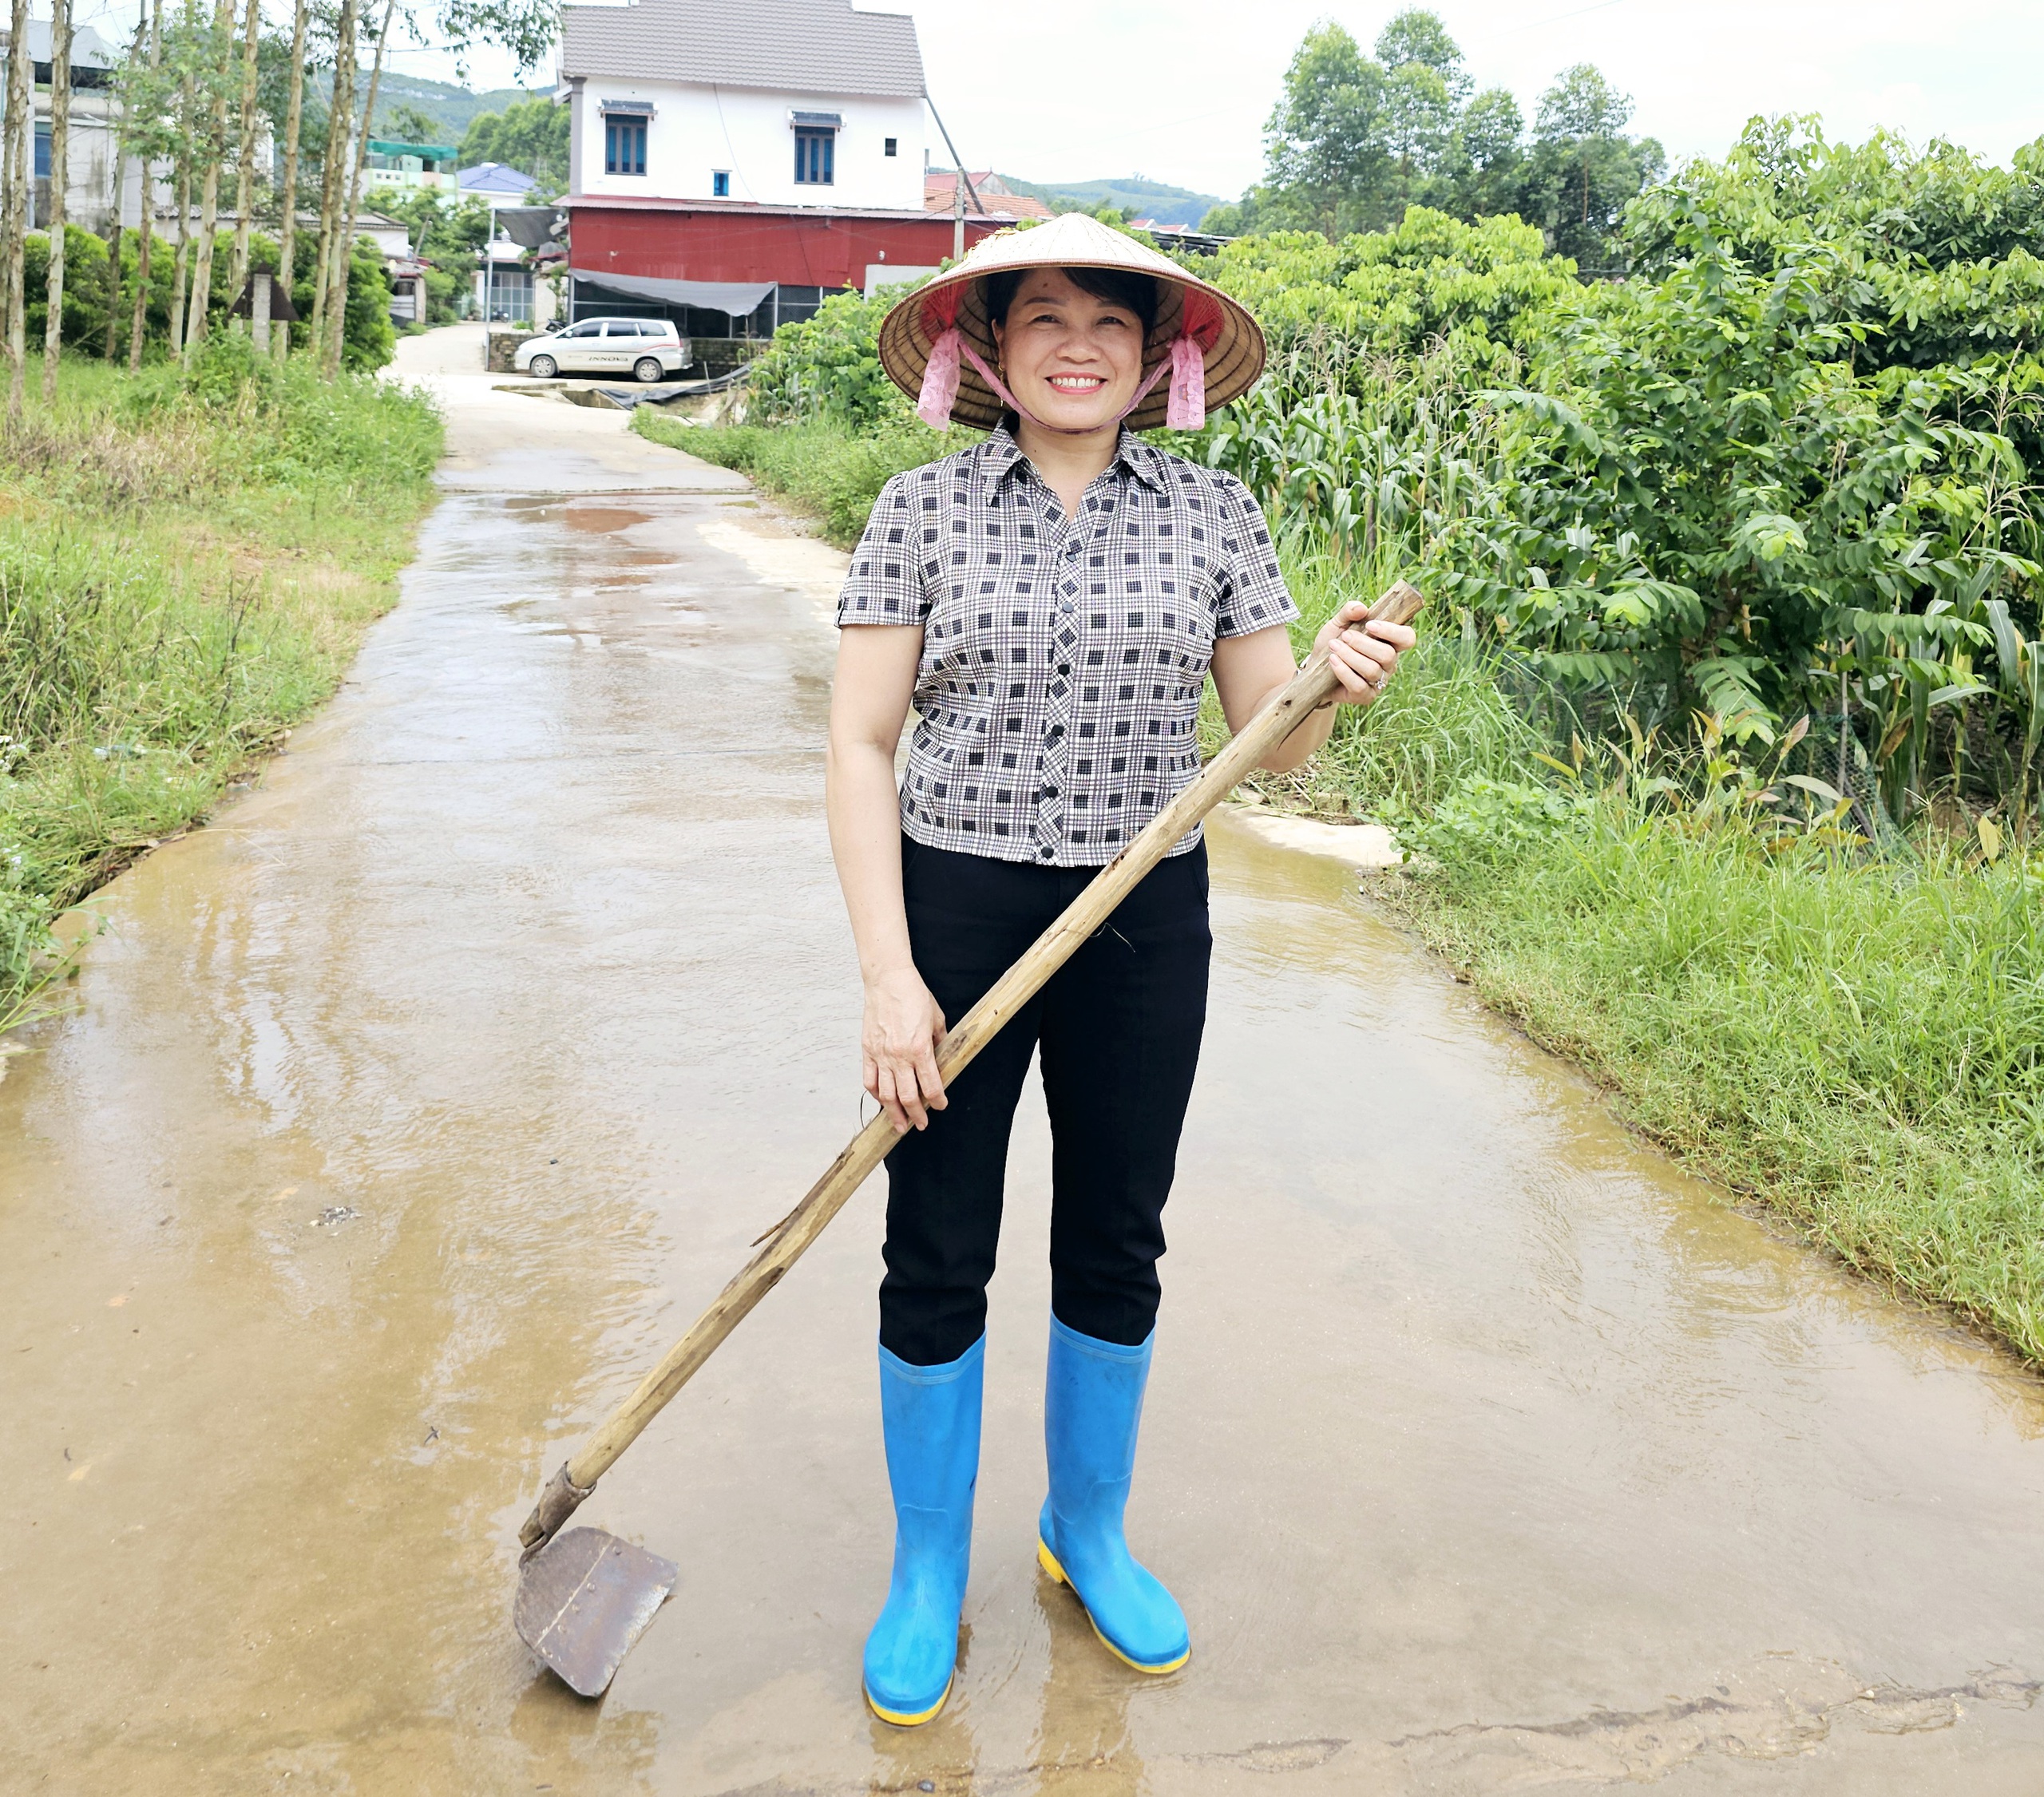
(731, 161)
(794, 103)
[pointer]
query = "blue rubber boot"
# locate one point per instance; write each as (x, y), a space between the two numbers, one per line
(930, 1416)
(1092, 1407)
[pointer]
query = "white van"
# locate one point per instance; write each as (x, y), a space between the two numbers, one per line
(647, 348)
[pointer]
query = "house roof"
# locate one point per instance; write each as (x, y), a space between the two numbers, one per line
(941, 195)
(88, 49)
(493, 177)
(425, 152)
(798, 46)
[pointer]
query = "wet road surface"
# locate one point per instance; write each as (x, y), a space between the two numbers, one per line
(408, 1113)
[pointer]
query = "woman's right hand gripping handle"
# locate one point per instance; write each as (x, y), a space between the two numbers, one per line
(904, 1029)
(904, 1022)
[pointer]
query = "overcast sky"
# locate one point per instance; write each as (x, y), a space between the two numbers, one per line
(1179, 89)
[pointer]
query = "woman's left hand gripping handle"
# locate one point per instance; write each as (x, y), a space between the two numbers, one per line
(1362, 654)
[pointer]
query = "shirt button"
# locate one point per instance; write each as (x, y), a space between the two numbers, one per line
(1046, 852)
(1064, 667)
(1050, 792)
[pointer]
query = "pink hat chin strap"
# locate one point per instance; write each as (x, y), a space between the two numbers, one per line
(1185, 409)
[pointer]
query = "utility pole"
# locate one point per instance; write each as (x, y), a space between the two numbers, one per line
(963, 186)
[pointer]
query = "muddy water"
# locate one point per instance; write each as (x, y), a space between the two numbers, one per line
(407, 1112)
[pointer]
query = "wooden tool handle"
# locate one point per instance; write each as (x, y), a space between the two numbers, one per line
(782, 1245)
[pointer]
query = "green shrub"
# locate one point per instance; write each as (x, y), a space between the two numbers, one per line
(825, 467)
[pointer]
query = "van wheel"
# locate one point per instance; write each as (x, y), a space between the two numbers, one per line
(545, 367)
(647, 369)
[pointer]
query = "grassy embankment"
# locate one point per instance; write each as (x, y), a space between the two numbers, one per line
(1857, 1041)
(186, 567)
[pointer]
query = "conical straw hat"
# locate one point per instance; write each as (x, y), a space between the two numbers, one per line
(1226, 337)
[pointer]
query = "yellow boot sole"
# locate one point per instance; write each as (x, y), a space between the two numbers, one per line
(1049, 1562)
(900, 1719)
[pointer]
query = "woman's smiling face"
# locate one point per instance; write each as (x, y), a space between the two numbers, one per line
(1074, 360)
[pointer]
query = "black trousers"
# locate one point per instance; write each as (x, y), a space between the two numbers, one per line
(1118, 1029)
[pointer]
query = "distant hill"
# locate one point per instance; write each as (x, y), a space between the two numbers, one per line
(1149, 199)
(450, 107)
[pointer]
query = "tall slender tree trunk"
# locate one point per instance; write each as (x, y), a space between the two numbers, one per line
(288, 227)
(139, 324)
(244, 180)
(146, 209)
(60, 148)
(222, 45)
(9, 174)
(340, 121)
(19, 183)
(183, 261)
(113, 261)
(337, 306)
(120, 160)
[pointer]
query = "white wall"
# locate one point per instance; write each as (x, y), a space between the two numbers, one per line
(697, 130)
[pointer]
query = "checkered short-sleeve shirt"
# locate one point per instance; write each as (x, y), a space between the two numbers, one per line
(1062, 657)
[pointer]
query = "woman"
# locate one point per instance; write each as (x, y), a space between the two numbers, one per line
(1050, 601)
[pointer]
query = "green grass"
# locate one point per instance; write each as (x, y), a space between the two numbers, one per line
(824, 469)
(186, 567)
(1857, 1043)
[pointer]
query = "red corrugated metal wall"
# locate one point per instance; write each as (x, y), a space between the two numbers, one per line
(680, 245)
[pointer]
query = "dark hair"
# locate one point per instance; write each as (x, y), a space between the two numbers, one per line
(1118, 287)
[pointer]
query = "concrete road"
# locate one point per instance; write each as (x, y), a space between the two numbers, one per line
(411, 1110)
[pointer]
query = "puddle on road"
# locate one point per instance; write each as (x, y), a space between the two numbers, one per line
(1484, 1449)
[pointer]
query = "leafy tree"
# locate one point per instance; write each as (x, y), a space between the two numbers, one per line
(273, 78)
(1489, 163)
(447, 232)
(1324, 148)
(1355, 140)
(1486, 286)
(407, 125)
(1419, 120)
(1584, 170)
(1936, 253)
(530, 136)
(1417, 36)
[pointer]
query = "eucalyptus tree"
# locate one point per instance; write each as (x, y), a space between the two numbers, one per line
(244, 180)
(216, 74)
(17, 175)
(60, 150)
(287, 207)
(1584, 170)
(151, 132)
(340, 118)
(337, 300)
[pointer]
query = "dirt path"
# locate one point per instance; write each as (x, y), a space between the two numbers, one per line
(411, 1110)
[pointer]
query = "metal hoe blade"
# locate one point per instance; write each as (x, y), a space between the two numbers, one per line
(584, 1599)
